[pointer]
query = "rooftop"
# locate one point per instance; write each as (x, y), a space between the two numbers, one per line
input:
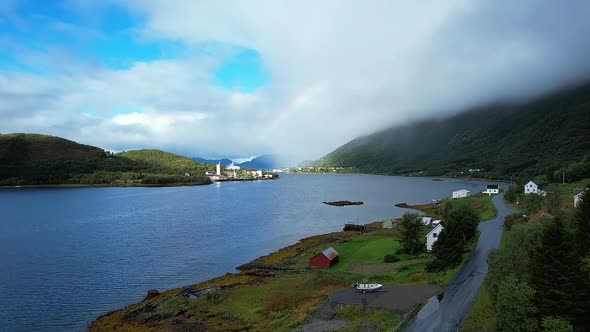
(331, 253)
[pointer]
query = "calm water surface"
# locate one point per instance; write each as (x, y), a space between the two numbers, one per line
(70, 255)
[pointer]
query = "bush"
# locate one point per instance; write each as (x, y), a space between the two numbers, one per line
(512, 193)
(556, 324)
(391, 258)
(513, 219)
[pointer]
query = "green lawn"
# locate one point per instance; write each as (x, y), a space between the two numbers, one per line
(368, 250)
(482, 203)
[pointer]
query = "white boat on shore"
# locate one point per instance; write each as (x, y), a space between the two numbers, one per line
(365, 288)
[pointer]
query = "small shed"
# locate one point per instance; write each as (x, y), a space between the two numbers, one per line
(541, 215)
(325, 259)
(461, 193)
(426, 221)
(390, 223)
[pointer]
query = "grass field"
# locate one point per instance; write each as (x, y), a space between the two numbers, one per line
(281, 302)
(368, 250)
(482, 204)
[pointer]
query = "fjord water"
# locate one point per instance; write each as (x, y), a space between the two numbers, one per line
(70, 255)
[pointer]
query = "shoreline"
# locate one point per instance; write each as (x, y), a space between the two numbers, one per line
(251, 273)
(408, 176)
(124, 185)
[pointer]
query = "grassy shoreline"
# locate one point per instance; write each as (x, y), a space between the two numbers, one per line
(276, 291)
(279, 291)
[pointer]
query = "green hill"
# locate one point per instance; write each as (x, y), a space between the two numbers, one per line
(15, 148)
(32, 159)
(164, 161)
(538, 137)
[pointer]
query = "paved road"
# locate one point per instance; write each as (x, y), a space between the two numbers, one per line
(459, 296)
(399, 299)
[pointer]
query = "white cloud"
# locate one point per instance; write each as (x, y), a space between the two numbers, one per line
(339, 69)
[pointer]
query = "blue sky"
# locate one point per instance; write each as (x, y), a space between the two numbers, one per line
(108, 35)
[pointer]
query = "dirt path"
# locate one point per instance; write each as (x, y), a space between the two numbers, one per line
(385, 267)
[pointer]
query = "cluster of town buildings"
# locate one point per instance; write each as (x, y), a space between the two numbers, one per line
(234, 172)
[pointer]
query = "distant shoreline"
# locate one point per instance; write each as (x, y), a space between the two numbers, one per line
(122, 185)
(407, 176)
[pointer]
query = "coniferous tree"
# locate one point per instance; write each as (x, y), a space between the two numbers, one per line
(514, 306)
(448, 249)
(555, 273)
(411, 233)
(582, 225)
(460, 227)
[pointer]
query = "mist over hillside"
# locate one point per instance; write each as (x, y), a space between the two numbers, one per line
(502, 140)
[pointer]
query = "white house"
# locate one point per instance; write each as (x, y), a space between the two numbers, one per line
(492, 189)
(533, 188)
(436, 222)
(461, 193)
(432, 236)
(426, 221)
(578, 193)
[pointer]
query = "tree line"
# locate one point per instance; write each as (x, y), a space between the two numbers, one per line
(540, 279)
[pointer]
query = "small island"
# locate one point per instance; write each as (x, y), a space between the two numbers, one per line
(343, 203)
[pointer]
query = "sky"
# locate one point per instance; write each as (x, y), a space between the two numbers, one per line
(294, 78)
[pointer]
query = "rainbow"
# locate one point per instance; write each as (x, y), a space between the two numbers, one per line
(296, 103)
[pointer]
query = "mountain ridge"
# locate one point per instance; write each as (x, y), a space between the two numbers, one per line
(512, 139)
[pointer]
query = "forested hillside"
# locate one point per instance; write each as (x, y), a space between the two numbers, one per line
(32, 159)
(535, 138)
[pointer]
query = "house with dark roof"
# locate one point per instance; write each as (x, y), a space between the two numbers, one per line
(492, 189)
(535, 188)
(325, 259)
